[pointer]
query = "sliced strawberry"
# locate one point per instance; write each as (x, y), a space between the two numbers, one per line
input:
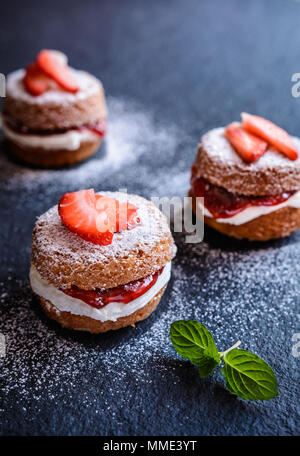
(270, 132)
(95, 217)
(60, 56)
(105, 228)
(53, 66)
(109, 206)
(248, 146)
(36, 82)
(123, 216)
(79, 214)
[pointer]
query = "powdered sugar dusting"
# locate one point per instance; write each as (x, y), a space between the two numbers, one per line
(218, 146)
(234, 288)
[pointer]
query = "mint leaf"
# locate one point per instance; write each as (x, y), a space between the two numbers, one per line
(248, 376)
(194, 342)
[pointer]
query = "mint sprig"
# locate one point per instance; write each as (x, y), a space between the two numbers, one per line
(246, 375)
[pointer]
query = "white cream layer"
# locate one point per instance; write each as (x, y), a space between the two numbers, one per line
(112, 311)
(70, 140)
(250, 213)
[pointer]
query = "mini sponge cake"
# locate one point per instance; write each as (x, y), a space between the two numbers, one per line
(96, 284)
(250, 181)
(53, 115)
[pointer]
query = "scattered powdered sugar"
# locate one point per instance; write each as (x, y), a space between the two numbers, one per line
(232, 293)
(131, 134)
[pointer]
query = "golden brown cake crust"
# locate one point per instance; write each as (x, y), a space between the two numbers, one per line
(275, 225)
(60, 112)
(82, 323)
(272, 174)
(53, 158)
(64, 259)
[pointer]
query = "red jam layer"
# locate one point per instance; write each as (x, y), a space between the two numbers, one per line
(223, 204)
(123, 293)
(99, 128)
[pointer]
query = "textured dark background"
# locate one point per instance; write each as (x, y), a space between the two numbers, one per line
(171, 70)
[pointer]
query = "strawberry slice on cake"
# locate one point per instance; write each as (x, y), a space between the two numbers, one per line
(56, 69)
(248, 146)
(95, 218)
(271, 133)
(78, 213)
(36, 81)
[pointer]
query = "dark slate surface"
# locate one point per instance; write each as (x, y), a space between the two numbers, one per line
(172, 70)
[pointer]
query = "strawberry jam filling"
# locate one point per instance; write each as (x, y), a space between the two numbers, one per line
(50, 70)
(123, 293)
(98, 128)
(224, 204)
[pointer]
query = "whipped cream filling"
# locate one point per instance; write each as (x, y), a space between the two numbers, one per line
(250, 213)
(111, 311)
(69, 140)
